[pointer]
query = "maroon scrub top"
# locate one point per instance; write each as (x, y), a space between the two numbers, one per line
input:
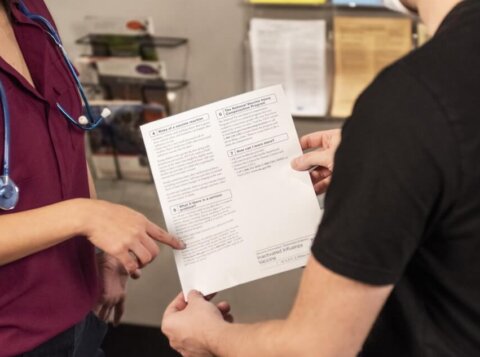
(48, 292)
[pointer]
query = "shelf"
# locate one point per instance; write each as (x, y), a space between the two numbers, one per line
(170, 84)
(176, 84)
(143, 40)
(326, 7)
(127, 46)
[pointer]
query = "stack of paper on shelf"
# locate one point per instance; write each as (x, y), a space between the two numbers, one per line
(121, 37)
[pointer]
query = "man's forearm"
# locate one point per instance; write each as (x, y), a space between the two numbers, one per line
(331, 317)
(336, 326)
(262, 339)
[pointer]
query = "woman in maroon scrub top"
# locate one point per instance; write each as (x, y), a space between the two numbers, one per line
(50, 278)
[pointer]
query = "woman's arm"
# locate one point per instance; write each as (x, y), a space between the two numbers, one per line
(115, 229)
(91, 184)
(35, 230)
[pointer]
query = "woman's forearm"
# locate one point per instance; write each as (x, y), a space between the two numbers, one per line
(117, 230)
(29, 232)
(91, 184)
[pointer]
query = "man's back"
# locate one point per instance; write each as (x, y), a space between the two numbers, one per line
(413, 147)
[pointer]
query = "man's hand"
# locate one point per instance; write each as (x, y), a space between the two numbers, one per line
(320, 160)
(114, 278)
(331, 317)
(187, 325)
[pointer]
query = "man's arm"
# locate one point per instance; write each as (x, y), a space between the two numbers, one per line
(332, 316)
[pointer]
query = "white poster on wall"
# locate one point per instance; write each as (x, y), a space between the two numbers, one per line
(292, 52)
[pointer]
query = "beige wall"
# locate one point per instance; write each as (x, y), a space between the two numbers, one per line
(216, 30)
(214, 27)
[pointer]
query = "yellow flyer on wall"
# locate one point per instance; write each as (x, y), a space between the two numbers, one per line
(289, 2)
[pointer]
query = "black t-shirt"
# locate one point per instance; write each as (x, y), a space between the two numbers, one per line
(403, 207)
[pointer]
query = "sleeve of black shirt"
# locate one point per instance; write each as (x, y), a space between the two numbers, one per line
(395, 174)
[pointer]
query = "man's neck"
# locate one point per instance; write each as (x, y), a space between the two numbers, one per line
(433, 12)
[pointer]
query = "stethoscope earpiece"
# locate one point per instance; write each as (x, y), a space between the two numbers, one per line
(9, 193)
(106, 113)
(87, 125)
(83, 120)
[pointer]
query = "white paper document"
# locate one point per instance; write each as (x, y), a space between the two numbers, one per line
(293, 53)
(227, 189)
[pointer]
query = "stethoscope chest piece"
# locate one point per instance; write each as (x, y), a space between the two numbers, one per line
(9, 193)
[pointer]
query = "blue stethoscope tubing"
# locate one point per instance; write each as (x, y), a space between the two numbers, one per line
(9, 191)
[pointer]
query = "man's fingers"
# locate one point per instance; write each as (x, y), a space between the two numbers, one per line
(162, 236)
(195, 295)
(178, 304)
(322, 186)
(137, 274)
(321, 139)
(313, 140)
(119, 310)
(313, 158)
(224, 307)
(319, 174)
(229, 318)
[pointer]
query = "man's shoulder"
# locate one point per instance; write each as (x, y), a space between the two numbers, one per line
(432, 56)
(438, 70)
(398, 99)
(450, 57)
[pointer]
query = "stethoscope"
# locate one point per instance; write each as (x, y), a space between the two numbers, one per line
(9, 192)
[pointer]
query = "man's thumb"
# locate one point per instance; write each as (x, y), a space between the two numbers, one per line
(312, 159)
(194, 294)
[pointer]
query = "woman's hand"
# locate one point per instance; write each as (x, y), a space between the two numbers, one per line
(114, 281)
(320, 160)
(123, 233)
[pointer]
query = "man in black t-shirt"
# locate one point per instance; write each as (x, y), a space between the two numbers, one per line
(395, 270)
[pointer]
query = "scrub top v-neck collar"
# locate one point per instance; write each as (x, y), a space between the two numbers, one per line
(36, 55)
(17, 18)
